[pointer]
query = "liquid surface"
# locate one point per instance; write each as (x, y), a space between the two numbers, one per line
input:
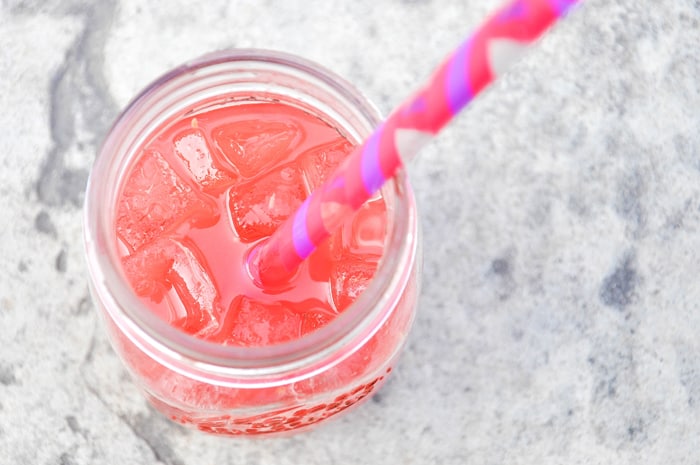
(210, 187)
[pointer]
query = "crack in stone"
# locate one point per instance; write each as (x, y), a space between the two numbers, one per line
(61, 262)
(154, 448)
(7, 375)
(66, 459)
(84, 305)
(91, 348)
(81, 108)
(146, 428)
(43, 224)
(618, 288)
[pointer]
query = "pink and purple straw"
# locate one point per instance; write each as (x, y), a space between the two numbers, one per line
(477, 62)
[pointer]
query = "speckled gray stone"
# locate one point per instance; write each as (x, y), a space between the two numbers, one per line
(559, 320)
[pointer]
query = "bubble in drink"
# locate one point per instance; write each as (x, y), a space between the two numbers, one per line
(192, 148)
(259, 206)
(155, 200)
(255, 145)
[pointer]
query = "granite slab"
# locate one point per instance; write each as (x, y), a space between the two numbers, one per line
(560, 310)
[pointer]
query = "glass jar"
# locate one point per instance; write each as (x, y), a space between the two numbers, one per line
(251, 390)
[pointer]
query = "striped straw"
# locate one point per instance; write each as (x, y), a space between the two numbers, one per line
(478, 61)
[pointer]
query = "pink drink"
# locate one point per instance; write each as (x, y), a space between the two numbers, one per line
(197, 188)
(210, 187)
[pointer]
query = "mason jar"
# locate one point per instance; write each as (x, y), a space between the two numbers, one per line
(274, 389)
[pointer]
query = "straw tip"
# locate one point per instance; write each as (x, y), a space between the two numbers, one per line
(266, 270)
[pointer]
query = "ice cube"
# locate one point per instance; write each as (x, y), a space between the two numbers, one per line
(364, 234)
(356, 250)
(195, 289)
(251, 323)
(155, 200)
(253, 146)
(350, 276)
(176, 269)
(192, 148)
(319, 162)
(147, 268)
(313, 320)
(258, 207)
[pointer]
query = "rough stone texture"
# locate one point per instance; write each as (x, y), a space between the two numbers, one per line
(559, 317)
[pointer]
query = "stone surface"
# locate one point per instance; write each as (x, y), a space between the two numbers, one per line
(559, 317)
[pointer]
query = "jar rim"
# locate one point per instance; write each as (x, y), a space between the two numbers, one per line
(347, 331)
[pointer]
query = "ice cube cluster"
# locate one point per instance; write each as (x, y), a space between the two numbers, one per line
(261, 170)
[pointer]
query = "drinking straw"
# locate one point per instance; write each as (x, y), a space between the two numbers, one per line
(477, 62)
